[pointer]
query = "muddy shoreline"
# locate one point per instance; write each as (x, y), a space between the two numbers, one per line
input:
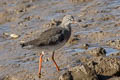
(92, 53)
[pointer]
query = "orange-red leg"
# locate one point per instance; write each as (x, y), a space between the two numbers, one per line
(55, 62)
(40, 64)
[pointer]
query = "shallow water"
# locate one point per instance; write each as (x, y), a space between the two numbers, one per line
(78, 50)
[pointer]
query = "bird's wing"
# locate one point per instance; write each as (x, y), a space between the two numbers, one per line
(49, 37)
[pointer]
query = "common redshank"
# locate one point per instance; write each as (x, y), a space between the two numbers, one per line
(52, 39)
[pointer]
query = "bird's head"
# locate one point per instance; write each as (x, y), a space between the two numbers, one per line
(67, 20)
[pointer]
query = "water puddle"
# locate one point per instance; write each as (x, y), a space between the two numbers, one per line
(111, 51)
(4, 29)
(108, 50)
(75, 50)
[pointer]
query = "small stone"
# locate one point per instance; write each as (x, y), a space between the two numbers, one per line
(80, 72)
(66, 76)
(22, 41)
(99, 51)
(5, 34)
(14, 36)
(46, 60)
(21, 24)
(53, 23)
(79, 20)
(77, 1)
(74, 40)
(84, 46)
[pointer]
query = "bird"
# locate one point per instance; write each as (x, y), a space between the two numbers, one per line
(52, 39)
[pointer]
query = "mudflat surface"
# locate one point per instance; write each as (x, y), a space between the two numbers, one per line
(96, 39)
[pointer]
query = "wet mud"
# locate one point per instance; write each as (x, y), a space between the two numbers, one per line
(92, 53)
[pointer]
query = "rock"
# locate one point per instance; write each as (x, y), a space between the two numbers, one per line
(5, 35)
(52, 24)
(28, 18)
(114, 78)
(99, 51)
(66, 76)
(106, 66)
(46, 59)
(61, 11)
(80, 72)
(115, 54)
(14, 36)
(84, 46)
(74, 39)
(10, 36)
(56, 22)
(114, 43)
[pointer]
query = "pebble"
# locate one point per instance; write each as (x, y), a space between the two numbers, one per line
(14, 36)
(99, 51)
(84, 46)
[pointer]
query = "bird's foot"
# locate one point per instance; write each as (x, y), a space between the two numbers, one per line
(39, 75)
(58, 69)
